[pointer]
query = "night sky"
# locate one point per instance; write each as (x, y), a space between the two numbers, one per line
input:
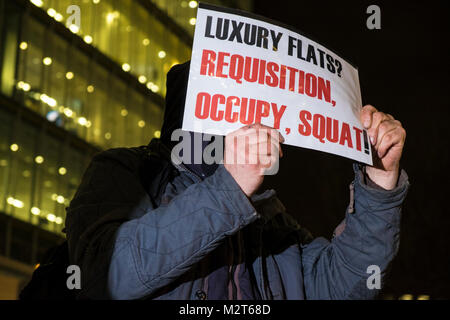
(404, 70)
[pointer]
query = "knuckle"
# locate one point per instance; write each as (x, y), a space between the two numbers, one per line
(377, 116)
(384, 125)
(366, 113)
(387, 117)
(369, 107)
(383, 116)
(389, 136)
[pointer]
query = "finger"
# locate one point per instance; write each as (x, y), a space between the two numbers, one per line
(395, 137)
(260, 150)
(251, 128)
(277, 135)
(366, 115)
(276, 140)
(261, 147)
(377, 118)
(259, 128)
(253, 135)
(274, 155)
(262, 133)
(280, 137)
(386, 126)
(266, 162)
(268, 147)
(257, 138)
(276, 148)
(271, 132)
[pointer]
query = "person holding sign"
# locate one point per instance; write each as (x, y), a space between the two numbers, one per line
(143, 227)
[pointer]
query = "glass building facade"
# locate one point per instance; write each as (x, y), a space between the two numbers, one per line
(127, 33)
(76, 77)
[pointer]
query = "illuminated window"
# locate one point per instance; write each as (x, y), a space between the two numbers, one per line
(74, 28)
(23, 45)
(51, 12)
(69, 75)
(37, 3)
(88, 39)
(142, 79)
(47, 61)
(126, 67)
(39, 159)
(162, 54)
(58, 17)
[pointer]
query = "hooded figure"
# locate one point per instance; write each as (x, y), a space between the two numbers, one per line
(140, 227)
(177, 80)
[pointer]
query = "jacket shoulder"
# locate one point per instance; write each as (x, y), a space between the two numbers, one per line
(106, 175)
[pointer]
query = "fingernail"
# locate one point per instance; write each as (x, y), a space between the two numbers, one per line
(372, 140)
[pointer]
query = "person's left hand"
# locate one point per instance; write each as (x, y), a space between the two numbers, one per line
(387, 137)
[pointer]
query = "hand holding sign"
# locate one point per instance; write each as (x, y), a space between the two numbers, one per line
(387, 137)
(250, 152)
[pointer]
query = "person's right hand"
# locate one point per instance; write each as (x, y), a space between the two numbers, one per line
(250, 152)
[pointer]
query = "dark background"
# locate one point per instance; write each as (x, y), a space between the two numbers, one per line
(404, 70)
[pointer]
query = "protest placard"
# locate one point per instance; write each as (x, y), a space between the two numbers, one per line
(247, 69)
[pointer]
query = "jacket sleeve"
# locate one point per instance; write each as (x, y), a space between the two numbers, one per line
(131, 259)
(348, 266)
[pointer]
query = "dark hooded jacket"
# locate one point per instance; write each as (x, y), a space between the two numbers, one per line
(141, 227)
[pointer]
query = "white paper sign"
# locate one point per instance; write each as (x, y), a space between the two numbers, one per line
(246, 70)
